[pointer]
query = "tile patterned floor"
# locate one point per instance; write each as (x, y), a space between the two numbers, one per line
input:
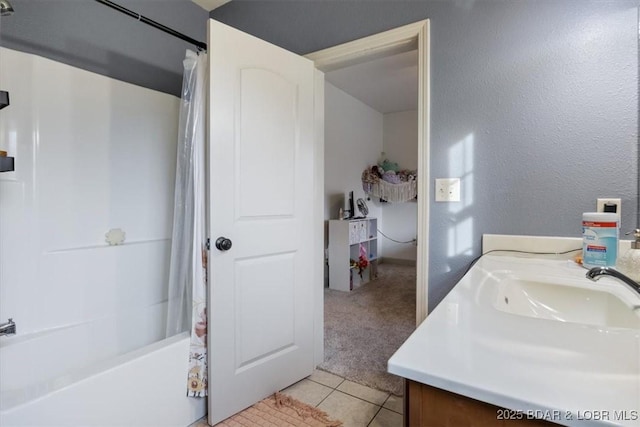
(354, 404)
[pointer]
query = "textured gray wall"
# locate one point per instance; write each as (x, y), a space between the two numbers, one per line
(534, 101)
(91, 36)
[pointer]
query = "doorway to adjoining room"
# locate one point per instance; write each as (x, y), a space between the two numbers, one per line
(371, 212)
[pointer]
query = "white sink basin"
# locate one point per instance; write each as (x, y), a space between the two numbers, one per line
(565, 303)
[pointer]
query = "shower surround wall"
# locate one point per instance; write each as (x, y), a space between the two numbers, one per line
(91, 154)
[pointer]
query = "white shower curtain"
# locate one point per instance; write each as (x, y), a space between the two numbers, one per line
(188, 267)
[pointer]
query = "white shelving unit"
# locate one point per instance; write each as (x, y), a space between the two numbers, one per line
(345, 239)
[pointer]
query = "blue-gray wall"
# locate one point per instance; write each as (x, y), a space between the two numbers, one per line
(534, 102)
(91, 36)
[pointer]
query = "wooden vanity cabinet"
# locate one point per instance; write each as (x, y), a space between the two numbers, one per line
(426, 406)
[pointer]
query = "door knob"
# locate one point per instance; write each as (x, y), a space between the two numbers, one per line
(223, 244)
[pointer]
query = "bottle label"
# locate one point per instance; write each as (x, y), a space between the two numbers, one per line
(599, 243)
(599, 224)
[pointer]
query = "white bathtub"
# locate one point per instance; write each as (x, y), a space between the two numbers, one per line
(74, 376)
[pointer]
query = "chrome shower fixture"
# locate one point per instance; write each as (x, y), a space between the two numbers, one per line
(8, 328)
(5, 8)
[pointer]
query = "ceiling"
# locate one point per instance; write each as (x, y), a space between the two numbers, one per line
(388, 84)
(210, 4)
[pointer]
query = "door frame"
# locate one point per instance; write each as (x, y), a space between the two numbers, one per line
(398, 40)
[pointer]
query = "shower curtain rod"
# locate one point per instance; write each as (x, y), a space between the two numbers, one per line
(200, 45)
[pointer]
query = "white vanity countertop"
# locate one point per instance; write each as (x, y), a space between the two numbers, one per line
(571, 373)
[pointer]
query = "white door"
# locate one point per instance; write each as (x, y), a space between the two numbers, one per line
(261, 123)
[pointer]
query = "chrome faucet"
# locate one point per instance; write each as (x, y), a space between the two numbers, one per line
(8, 328)
(596, 272)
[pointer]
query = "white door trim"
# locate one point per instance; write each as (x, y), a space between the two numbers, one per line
(318, 219)
(398, 40)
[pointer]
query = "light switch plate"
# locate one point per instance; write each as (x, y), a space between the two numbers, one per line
(447, 189)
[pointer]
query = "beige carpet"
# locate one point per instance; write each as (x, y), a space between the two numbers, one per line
(364, 327)
(280, 411)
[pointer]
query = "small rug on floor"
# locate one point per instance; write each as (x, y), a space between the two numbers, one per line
(280, 410)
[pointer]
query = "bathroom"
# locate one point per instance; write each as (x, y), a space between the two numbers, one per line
(533, 104)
